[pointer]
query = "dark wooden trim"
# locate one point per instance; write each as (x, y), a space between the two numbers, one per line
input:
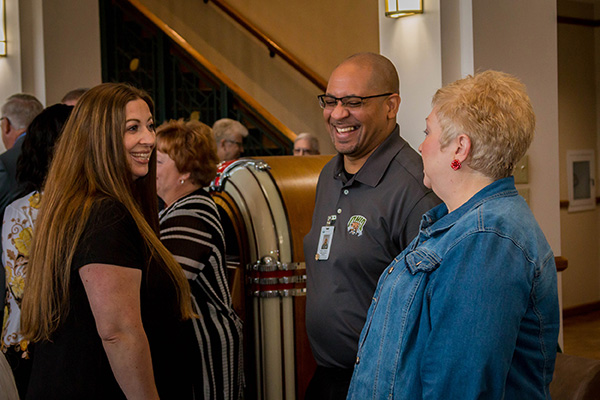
(581, 310)
(565, 203)
(578, 21)
(561, 263)
(273, 47)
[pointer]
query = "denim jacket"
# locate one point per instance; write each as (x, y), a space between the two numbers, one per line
(469, 310)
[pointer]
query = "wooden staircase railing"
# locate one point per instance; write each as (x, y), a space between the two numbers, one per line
(274, 48)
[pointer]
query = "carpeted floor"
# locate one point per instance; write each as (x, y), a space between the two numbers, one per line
(582, 335)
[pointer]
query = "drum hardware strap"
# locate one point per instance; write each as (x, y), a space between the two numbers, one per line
(282, 280)
(270, 278)
(280, 293)
(268, 263)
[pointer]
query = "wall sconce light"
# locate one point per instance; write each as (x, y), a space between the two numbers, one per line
(2, 29)
(403, 8)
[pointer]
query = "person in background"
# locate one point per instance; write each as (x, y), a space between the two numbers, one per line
(369, 202)
(229, 136)
(469, 310)
(17, 230)
(106, 307)
(190, 228)
(17, 113)
(73, 96)
(306, 144)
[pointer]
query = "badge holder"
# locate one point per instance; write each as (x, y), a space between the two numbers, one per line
(325, 239)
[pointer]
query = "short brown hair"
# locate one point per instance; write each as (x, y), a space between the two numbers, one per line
(493, 109)
(192, 146)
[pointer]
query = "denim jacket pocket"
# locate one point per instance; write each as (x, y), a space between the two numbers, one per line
(422, 260)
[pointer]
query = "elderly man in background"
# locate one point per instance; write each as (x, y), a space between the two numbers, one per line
(369, 203)
(17, 113)
(72, 96)
(229, 135)
(306, 144)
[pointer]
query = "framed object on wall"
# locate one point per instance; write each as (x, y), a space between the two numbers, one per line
(581, 178)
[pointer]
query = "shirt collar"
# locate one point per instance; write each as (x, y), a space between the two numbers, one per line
(374, 168)
(437, 219)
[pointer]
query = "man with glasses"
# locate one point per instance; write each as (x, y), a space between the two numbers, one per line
(306, 144)
(369, 203)
(229, 135)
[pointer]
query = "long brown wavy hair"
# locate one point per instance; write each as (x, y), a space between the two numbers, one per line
(90, 165)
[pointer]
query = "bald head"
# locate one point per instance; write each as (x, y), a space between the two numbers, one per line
(384, 77)
(357, 127)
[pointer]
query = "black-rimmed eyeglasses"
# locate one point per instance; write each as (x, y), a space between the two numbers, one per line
(327, 101)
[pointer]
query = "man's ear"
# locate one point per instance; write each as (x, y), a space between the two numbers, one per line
(8, 127)
(393, 104)
(221, 143)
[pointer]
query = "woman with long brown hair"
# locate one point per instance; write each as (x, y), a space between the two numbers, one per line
(107, 307)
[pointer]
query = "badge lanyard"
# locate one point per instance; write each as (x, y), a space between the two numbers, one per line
(325, 239)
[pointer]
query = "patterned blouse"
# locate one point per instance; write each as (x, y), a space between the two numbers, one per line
(17, 230)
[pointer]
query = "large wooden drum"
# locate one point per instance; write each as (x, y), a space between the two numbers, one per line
(266, 207)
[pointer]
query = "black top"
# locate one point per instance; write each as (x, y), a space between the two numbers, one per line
(74, 365)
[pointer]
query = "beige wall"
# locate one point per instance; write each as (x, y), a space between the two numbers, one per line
(71, 59)
(414, 46)
(53, 47)
(301, 26)
(520, 38)
(578, 129)
(10, 66)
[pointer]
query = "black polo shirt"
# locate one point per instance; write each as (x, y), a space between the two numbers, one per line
(378, 211)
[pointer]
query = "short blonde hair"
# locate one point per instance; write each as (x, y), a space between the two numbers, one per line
(192, 146)
(493, 109)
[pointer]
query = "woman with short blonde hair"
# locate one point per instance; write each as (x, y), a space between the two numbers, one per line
(469, 310)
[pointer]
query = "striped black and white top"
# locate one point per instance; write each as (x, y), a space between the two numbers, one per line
(191, 230)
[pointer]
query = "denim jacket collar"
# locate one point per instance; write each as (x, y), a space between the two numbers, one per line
(437, 219)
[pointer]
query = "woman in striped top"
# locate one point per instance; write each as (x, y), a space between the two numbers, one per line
(191, 229)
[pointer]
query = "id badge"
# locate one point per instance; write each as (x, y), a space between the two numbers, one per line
(324, 245)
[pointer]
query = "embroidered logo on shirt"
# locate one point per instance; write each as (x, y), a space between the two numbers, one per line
(356, 224)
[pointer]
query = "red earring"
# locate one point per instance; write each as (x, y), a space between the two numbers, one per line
(455, 165)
